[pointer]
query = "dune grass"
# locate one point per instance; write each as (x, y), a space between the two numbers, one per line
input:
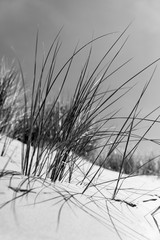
(77, 128)
(54, 134)
(11, 96)
(146, 164)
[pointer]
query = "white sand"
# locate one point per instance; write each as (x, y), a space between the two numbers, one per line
(60, 212)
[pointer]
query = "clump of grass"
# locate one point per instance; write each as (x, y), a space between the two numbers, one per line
(139, 165)
(10, 97)
(114, 163)
(149, 165)
(52, 133)
(71, 128)
(58, 115)
(11, 106)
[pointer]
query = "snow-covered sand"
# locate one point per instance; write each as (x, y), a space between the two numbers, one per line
(43, 210)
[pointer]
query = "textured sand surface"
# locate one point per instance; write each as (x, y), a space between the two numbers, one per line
(59, 211)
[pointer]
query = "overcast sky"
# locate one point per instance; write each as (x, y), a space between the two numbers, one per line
(81, 19)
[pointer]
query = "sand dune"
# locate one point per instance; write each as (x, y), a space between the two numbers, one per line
(42, 210)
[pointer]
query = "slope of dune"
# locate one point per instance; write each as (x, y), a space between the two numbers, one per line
(38, 209)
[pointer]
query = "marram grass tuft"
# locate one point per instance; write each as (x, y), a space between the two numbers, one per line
(55, 134)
